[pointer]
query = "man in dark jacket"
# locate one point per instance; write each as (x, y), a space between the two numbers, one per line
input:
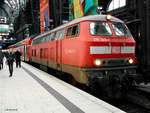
(1, 59)
(18, 58)
(10, 59)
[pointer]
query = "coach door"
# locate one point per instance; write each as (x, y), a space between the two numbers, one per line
(59, 37)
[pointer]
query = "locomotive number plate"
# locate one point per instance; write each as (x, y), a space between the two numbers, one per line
(115, 50)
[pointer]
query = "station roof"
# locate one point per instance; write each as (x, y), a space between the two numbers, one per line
(10, 8)
(14, 4)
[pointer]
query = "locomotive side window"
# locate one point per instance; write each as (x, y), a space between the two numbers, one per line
(100, 28)
(60, 34)
(120, 29)
(73, 31)
(52, 36)
(69, 31)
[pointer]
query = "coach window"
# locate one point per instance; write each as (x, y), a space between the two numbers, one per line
(35, 52)
(44, 39)
(40, 53)
(38, 40)
(35, 41)
(32, 52)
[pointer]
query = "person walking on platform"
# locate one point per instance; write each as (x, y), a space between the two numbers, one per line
(10, 59)
(1, 59)
(18, 58)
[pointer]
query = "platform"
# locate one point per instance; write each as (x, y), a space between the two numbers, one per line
(31, 90)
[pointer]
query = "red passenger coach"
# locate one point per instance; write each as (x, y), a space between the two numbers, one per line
(23, 47)
(97, 51)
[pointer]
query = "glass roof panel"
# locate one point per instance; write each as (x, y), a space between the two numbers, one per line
(7, 3)
(115, 4)
(12, 3)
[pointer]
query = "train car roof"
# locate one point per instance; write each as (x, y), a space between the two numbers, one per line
(85, 18)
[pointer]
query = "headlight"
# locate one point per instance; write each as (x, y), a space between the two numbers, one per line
(97, 62)
(131, 61)
(108, 17)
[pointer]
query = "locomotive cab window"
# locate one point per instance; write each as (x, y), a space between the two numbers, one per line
(120, 29)
(100, 28)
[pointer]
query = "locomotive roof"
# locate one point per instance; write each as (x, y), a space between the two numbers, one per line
(85, 18)
(95, 18)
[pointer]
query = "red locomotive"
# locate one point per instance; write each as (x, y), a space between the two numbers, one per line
(98, 51)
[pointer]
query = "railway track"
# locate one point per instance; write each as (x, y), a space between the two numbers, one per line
(136, 101)
(130, 107)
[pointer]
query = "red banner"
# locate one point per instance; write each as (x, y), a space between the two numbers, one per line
(44, 15)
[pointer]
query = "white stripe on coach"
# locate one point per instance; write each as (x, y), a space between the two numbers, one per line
(127, 49)
(100, 50)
